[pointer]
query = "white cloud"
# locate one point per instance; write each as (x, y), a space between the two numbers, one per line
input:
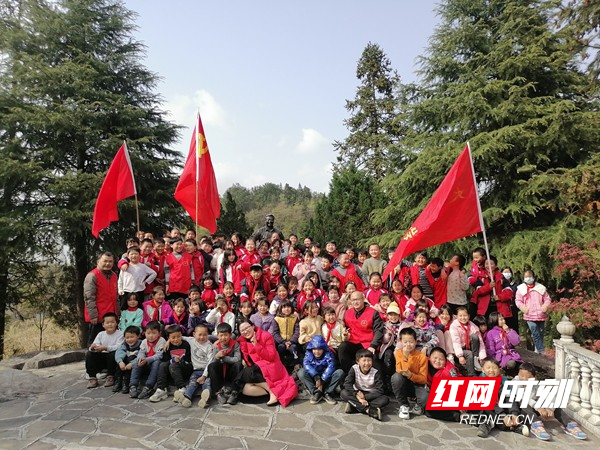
(312, 142)
(183, 108)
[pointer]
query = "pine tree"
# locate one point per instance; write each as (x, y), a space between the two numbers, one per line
(232, 219)
(344, 214)
(499, 75)
(79, 89)
(375, 129)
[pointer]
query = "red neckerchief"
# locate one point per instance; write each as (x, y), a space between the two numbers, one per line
(503, 337)
(227, 352)
(466, 330)
(222, 318)
(151, 346)
(330, 328)
(132, 309)
(178, 319)
(156, 308)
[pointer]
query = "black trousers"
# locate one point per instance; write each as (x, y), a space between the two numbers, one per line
(95, 362)
(375, 400)
(221, 374)
(179, 372)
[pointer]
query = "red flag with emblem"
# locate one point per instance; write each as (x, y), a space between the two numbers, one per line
(118, 185)
(197, 188)
(452, 213)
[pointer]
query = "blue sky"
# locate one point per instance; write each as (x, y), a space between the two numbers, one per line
(271, 78)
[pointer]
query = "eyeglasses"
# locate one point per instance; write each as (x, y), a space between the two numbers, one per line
(245, 330)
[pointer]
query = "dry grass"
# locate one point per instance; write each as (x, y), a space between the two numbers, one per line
(23, 337)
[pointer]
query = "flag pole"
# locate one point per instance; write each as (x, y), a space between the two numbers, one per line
(137, 207)
(197, 128)
(485, 242)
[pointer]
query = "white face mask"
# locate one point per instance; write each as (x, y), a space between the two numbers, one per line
(507, 275)
(529, 280)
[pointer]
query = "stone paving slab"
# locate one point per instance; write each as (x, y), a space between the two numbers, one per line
(68, 416)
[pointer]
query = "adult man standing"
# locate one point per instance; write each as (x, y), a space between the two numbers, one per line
(100, 294)
(265, 233)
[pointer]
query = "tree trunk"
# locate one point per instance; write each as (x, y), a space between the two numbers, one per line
(3, 301)
(81, 270)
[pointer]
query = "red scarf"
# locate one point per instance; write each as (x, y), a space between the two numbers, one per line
(330, 328)
(466, 330)
(132, 309)
(151, 346)
(155, 314)
(227, 352)
(178, 319)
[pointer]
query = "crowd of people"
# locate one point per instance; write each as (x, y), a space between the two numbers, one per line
(224, 318)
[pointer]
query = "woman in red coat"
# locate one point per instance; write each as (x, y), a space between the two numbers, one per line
(263, 372)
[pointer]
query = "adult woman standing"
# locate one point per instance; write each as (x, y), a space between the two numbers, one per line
(263, 372)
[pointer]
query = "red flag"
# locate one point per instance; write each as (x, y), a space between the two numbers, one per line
(118, 185)
(452, 213)
(197, 187)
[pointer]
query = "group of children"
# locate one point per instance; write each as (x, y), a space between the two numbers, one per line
(189, 338)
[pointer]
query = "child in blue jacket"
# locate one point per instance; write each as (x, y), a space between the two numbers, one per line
(318, 372)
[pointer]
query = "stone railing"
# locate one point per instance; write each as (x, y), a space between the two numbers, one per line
(583, 366)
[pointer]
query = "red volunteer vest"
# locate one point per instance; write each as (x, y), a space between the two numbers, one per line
(106, 294)
(361, 328)
(351, 275)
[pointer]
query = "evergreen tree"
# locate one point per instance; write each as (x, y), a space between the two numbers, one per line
(232, 218)
(375, 129)
(344, 214)
(73, 71)
(499, 75)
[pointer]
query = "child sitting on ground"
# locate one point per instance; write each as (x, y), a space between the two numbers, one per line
(500, 342)
(527, 371)
(176, 363)
(202, 355)
(226, 364)
(125, 356)
(363, 387)
(318, 372)
(467, 343)
(101, 354)
(148, 361)
(491, 368)
(410, 379)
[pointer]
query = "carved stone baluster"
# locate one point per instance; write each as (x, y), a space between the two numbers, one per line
(575, 403)
(595, 398)
(584, 391)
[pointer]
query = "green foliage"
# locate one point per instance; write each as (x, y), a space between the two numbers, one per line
(498, 74)
(374, 125)
(292, 207)
(232, 219)
(77, 89)
(344, 214)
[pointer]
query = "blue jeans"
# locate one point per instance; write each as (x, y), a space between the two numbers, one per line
(328, 386)
(193, 385)
(137, 371)
(537, 332)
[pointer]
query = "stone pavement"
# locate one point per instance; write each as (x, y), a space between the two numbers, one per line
(66, 415)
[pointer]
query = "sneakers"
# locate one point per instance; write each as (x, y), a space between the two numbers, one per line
(204, 398)
(117, 386)
(572, 429)
(329, 399)
(92, 383)
(133, 392)
(178, 396)
(476, 364)
(375, 413)
(417, 410)
(316, 397)
(538, 430)
(349, 409)
(125, 389)
(160, 394)
(110, 381)
(185, 402)
(522, 429)
(484, 429)
(222, 396)
(145, 393)
(404, 412)
(233, 397)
